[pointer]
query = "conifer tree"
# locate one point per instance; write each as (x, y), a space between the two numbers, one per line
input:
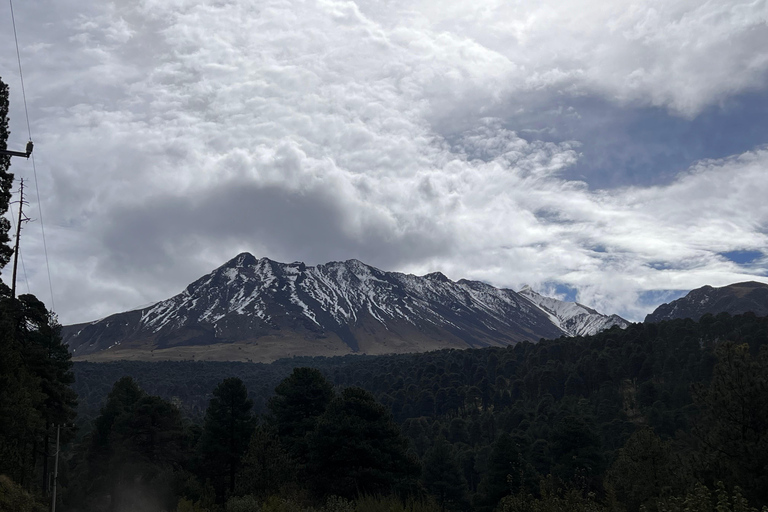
(299, 401)
(357, 448)
(229, 424)
(267, 468)
(442, 476)
(6, 179)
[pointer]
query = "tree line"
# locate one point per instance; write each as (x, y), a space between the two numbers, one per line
(653, 417)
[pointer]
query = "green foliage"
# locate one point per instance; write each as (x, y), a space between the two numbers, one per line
(702, 499)
(35, 393)
(133, 455)
(338, 504)
(247, 503)
(643, 471)
(356, 448)
(732, 431)
(6, 179)
(610, 417)
(266, 468)
(507, 472)
(227, 430)
(570, 501)
(391, 503)
(299, 401)
(443, 477)
(575, 450)
(281, 504)
(15, 499)
(187, 505)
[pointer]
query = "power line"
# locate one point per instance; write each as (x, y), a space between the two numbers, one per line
(34, 167)
(21, 73)
(42, 229)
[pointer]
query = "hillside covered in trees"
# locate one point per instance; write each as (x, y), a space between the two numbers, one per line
(668, 416)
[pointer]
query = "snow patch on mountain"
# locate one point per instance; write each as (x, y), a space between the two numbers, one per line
(345, 302)
(573, 318)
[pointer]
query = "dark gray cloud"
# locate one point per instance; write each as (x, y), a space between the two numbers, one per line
(270, 221)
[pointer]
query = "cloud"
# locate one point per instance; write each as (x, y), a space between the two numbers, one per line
(174, 134)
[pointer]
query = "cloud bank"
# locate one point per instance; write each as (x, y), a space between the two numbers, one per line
(173, 134)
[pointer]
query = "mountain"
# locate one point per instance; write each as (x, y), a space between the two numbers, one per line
(261, 310)
(573, 318)
(735, 299)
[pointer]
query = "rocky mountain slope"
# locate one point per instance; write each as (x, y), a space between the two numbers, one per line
(260, 310)
(735, 299)
(573, 318)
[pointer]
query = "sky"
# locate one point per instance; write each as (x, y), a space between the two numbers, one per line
(614, 153)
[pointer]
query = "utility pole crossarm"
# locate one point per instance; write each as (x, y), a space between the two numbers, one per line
(24, 154)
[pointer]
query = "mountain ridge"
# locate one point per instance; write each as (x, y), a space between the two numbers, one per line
(573, 318)
(258, 309)
(736, 298)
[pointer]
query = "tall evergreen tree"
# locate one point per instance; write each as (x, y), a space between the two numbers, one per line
(229, 424)
(505, 473)
(641, 471)
(356, 448)
(443, 477)
(133, 455)
(6, 179)
(299, 401)
(267, 468)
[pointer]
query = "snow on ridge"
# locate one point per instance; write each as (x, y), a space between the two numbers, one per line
(573, 318)
(344, 292)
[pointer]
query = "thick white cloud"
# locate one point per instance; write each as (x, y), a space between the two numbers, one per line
(173, 134)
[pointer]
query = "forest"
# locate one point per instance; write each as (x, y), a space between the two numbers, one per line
(658, 417)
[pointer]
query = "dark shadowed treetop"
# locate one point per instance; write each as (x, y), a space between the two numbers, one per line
(229, 424)
(357, 448)
(6, 178)
(299, 400)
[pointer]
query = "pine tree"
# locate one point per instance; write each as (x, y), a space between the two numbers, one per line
(443, 477)
(229, 424)
(505, 473)
(134, 452)
(6, 179)
(357, 448)
(299, 401)
(267, 468)
(641, 471)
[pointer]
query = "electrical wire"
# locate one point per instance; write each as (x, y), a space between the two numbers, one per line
(34, 167)
(21, 74)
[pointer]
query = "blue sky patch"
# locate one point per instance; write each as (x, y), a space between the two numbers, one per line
(742, 257)
(645, 146)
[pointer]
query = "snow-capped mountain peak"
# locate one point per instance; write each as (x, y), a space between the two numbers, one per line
(336, 307)
(573, 318)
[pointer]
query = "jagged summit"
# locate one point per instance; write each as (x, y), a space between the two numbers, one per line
(269, 309)
(437, 276)
(573, 318)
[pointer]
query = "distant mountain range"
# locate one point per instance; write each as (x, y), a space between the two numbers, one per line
(262, 310)
(735, 299)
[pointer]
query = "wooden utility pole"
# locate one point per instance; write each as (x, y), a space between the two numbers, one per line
(22, 218)
(55, 470)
